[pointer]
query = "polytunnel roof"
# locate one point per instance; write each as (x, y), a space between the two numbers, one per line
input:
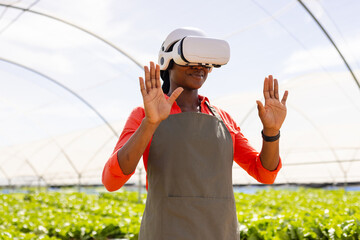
(69, 79)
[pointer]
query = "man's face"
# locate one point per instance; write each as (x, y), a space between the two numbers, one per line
(188, 77)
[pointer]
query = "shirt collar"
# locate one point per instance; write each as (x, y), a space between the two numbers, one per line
(203, 99)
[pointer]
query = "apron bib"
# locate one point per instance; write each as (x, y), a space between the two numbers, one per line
(190, 193)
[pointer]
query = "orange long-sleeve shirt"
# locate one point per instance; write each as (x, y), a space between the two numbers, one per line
(246, 156)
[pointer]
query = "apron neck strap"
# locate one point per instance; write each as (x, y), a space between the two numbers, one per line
(213, 111)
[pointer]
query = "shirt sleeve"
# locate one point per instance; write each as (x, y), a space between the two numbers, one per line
(249, 159)
(113, 177)
(246, 156)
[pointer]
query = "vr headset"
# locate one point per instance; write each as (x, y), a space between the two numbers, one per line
(194, 51)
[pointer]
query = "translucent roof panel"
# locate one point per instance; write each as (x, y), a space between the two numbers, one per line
(69, 75)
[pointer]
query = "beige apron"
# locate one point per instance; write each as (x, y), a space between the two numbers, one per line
(190, 194)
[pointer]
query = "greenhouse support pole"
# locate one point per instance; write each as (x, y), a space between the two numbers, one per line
(79, 182)
(9, 182)
(6, 176)
(332, 42)
(66, 89)
(39, 183)
(345, 183)
(77, 27)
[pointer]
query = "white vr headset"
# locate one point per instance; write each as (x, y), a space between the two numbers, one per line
(193, 51)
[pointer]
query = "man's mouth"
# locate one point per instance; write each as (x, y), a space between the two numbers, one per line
(197, 74)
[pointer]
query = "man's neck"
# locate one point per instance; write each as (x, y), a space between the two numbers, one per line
(188, 101)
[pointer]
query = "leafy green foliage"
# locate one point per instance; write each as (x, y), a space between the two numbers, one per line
(271, 214)
(70, 216)
(301, 214)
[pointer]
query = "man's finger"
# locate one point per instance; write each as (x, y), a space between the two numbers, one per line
(157, 75)
(266, 88)
(152, 74)
(271, 86)
(283, 101)
(175, 95)
(276, 89)
(260, 107)
(147, 78)
(142, 86)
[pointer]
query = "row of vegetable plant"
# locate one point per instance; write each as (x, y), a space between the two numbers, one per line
(268, 214)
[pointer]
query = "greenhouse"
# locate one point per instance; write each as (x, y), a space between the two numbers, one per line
(69, 74)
